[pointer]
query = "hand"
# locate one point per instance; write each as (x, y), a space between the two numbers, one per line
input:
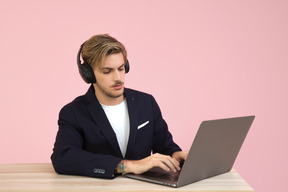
(180, 156)
(165, 162)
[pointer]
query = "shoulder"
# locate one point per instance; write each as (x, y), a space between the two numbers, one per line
(81, 102)
(138, 95)
(74, 107)
(141, 98)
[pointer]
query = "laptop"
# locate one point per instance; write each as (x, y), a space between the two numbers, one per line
(213, 152)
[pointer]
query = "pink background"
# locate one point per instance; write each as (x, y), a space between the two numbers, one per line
(200, 59)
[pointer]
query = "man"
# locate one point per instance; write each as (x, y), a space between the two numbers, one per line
(111, 129)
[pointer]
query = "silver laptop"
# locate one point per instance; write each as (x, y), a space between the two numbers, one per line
(213, 152)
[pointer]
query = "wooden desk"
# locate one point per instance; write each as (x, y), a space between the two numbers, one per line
(41, 177)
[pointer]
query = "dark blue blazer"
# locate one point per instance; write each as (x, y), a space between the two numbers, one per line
(87, 145)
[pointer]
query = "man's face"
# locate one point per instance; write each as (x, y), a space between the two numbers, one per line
(110, 76)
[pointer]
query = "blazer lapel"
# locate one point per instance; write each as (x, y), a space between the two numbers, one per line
(134, 119)
(100, 118)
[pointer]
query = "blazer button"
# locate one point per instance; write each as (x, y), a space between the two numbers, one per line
(99, 171)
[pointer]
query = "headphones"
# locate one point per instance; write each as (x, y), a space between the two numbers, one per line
(86, 70)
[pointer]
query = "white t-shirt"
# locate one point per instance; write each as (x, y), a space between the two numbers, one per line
(119, 120)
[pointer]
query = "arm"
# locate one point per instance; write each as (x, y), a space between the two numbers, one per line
(165, 162)
(167, 154)
(163, 142)
(69, 157)
(156, 160)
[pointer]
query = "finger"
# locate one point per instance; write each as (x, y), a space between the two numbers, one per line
(162, 161)
(171, 163)
(163, 166)
(177, 164)
(167, 160)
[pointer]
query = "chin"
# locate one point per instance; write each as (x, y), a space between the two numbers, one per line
(118, 94)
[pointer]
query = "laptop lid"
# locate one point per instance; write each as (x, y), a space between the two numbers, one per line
(213, 152)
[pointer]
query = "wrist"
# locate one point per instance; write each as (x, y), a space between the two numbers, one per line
(175, 154)
(121, 167)
(125, 166)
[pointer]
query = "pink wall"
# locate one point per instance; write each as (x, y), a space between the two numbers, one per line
(200, 59)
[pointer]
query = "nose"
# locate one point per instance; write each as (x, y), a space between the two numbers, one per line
(117, 75)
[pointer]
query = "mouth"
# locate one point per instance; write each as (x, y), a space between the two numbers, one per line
(118, 86)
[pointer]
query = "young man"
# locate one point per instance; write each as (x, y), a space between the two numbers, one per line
(111, 129)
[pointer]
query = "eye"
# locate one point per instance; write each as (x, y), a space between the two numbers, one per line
(106, 71)
(122, 68)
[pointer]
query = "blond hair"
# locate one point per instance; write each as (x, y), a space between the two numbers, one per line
(98, 47)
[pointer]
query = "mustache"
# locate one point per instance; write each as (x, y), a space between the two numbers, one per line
(117, 83)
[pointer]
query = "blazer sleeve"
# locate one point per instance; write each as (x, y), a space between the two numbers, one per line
(163, 141)
(68, 157)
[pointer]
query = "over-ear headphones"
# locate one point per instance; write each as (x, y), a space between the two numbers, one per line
(86, 70)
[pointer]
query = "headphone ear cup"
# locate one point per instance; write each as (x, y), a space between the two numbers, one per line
(87, 73)
(127, 67)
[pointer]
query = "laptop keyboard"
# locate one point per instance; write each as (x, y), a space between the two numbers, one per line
(173, 176)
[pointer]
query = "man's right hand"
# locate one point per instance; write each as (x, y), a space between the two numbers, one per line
(165, 162)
